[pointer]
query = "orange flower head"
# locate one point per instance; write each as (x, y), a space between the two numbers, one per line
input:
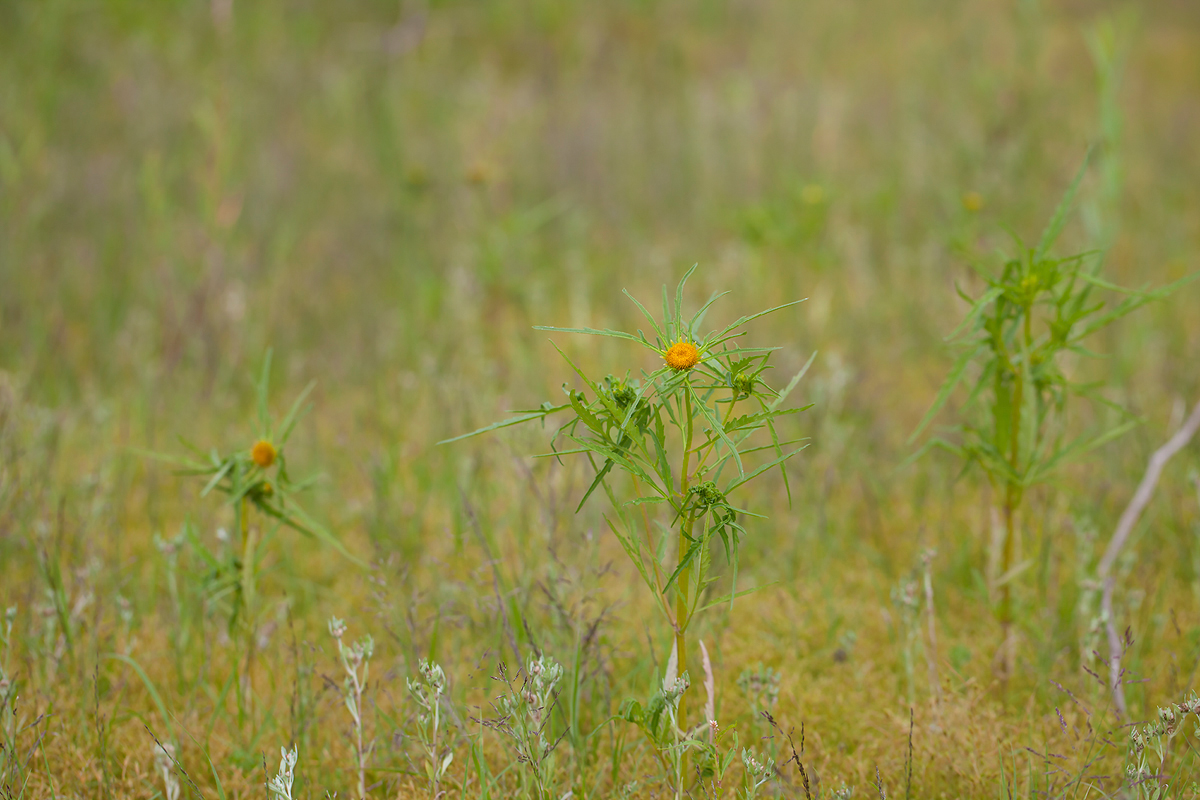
(263, 453)
(682, 356)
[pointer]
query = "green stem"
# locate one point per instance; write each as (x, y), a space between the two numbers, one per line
(683, 582)
(1013, 493)
(248, 603)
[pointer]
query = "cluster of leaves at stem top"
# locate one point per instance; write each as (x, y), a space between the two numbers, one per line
(1033, 313)
(622, 424)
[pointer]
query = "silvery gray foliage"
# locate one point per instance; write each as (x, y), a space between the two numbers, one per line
(280, 787)
(427, 693)
(356, 664)
(1153, 738)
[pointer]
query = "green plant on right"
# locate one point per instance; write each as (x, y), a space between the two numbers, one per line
(1035, 313)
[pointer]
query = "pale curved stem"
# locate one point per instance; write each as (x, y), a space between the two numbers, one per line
(1141, 498)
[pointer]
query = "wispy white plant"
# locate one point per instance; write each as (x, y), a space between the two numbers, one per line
(356, 664)
(280, 787)
(164, 762)
(754, 773)
(427, 692)
(1147, 781)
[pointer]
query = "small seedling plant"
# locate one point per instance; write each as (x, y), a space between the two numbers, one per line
(684, 435)
(1035, 313)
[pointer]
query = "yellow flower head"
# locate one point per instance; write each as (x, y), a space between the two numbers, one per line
(972, 201)
(681, 356)
(263, 453)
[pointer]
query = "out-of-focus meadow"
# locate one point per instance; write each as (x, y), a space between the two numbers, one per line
(389, 196)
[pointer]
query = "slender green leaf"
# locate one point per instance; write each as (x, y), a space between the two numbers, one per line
(724, 334)
(650, 317)
(150, 688)
(794, 382)
(696, 546)
(632, 547)
(218, 476)
(264, 383)
(769, 465)
(294, 414)
(729, 598)
(677, 316)
(1059, 220)
(952, 380)
(591, 332)
(600, 474)
(299, 520)
(985, 300)
(668, 326)
(715, 424)
(509, 422)
(611, 453)
(698, 317)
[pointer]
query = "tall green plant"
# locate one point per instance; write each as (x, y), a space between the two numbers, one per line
(675, 432)
(1034, 314)
(254, 480)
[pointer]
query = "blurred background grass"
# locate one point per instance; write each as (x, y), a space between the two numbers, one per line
(391, 195)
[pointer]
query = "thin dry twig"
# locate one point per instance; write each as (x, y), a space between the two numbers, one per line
(1133, 511)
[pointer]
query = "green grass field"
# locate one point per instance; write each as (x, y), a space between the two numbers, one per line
(388, 197)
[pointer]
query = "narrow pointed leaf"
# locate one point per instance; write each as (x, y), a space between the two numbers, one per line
(952, 380)
(1059, 220)
(264, 381)
(743, 320)
(715, 424)
(686, 561)
(650, 317)
(591, 332)
(508, 423)
(294, 414)
(769, 465)
(698, 317)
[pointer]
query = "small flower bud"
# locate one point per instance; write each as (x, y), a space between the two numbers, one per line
(743, 385)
